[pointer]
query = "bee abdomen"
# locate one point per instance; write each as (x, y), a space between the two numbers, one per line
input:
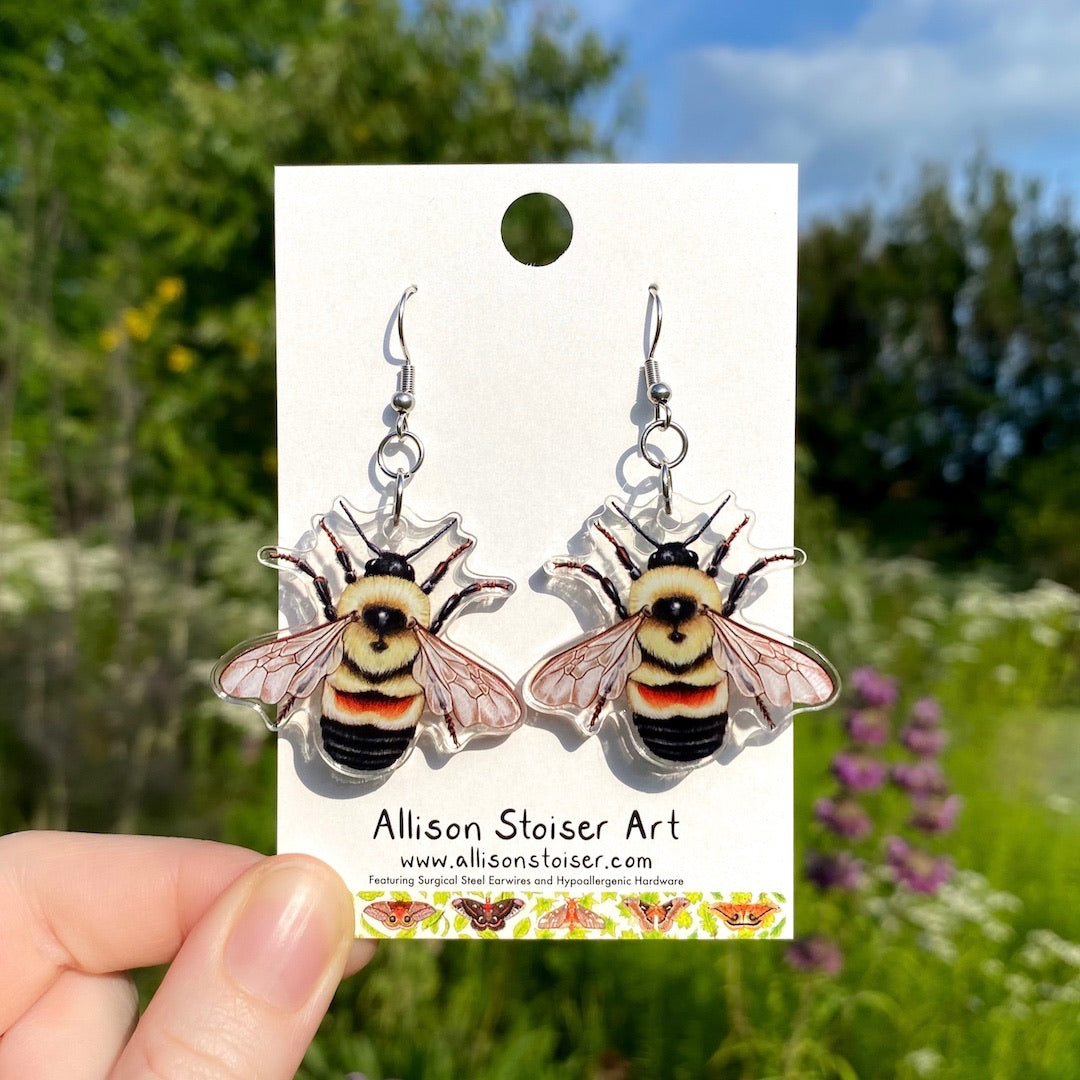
(682, 738)
(364, 747)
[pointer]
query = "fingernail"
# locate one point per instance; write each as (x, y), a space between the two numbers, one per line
(285, 937)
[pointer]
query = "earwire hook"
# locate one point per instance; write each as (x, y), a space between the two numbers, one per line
(401, 323)
(654, 292)
(402, 403)
(659, 393)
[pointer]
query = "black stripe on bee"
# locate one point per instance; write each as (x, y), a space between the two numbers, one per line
(364, 747)
(675, 669)
(682, 738)
(376, 676)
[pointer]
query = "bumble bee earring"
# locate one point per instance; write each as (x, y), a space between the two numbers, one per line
(373, 671)
(675, 661)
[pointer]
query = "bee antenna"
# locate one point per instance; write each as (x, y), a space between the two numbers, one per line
(429, 541)
(708, 522)
(633, 524)
(348, 514)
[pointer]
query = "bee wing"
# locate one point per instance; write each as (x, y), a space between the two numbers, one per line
(596, 667)
(457, 684)
(760, 664)
(270, 670)
(554, 919)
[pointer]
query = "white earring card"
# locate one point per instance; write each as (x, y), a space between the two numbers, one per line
(530, 399)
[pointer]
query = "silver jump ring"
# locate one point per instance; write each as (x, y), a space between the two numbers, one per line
(399, 494)
(405, 437)
(665, 486)
(650, 456)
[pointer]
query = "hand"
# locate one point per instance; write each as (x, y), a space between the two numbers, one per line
(257, 946)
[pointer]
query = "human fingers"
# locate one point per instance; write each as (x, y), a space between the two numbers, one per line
(246, 992)
(99, 904)
(75, 1030)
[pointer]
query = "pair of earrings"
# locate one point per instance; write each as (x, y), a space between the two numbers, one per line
(378, 664)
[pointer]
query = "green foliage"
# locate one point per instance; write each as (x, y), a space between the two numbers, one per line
(940, 374)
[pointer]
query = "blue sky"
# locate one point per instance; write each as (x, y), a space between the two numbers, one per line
(858, 92)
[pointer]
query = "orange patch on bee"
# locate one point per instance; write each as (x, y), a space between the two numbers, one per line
(370, 701)
(691, 697)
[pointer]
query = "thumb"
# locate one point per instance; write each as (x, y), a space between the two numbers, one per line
(246, 992)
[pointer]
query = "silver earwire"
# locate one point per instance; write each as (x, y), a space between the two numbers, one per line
(403, 402)
(659, 393)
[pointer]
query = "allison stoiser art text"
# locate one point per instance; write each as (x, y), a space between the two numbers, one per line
(518, 824)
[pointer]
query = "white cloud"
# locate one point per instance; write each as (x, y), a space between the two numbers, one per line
(914, 81)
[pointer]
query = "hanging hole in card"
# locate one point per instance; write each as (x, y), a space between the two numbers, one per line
(537, 229)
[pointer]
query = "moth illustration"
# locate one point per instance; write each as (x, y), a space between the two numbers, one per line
(488, 914)
(657, 917)
(377, 662)
(744, 916)
(399, 914)
(569, 916)
(676, 651)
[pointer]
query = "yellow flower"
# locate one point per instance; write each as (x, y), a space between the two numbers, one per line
(249, 349)
(110, 339)
(170, 289)
(180, 359)
(138, 324)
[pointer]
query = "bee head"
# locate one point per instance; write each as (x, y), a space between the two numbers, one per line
(674, 554)
(389, 564)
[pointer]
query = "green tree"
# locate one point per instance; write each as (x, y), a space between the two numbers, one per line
(940, 373)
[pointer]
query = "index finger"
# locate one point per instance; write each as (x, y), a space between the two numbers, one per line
(100, 904)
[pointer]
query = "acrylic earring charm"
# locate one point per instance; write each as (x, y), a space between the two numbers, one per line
(375, 670)
(677, 659)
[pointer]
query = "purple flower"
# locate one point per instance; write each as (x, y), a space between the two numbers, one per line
(920, 871)
(924, 741)
(933, 814)
(926, 713)
(858, 771)
(837, 871)
(920, 778)
(815, 953)
(845, 817)
(868, 726)
(873, 687)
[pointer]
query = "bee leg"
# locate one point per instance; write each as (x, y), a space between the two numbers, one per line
(322, 589)
(760, 702)
(341, 552)
(440, 571)
(451, 604)
(620, 553)
(725, 546)
(605, 583)
(738, 586)
(596, 711)
(451, 727)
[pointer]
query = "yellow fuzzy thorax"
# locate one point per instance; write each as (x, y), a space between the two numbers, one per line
(359, 639)
(674, 581)
(654, 635)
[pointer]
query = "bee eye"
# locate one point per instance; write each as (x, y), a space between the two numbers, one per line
(383, 619)
(674, 609)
